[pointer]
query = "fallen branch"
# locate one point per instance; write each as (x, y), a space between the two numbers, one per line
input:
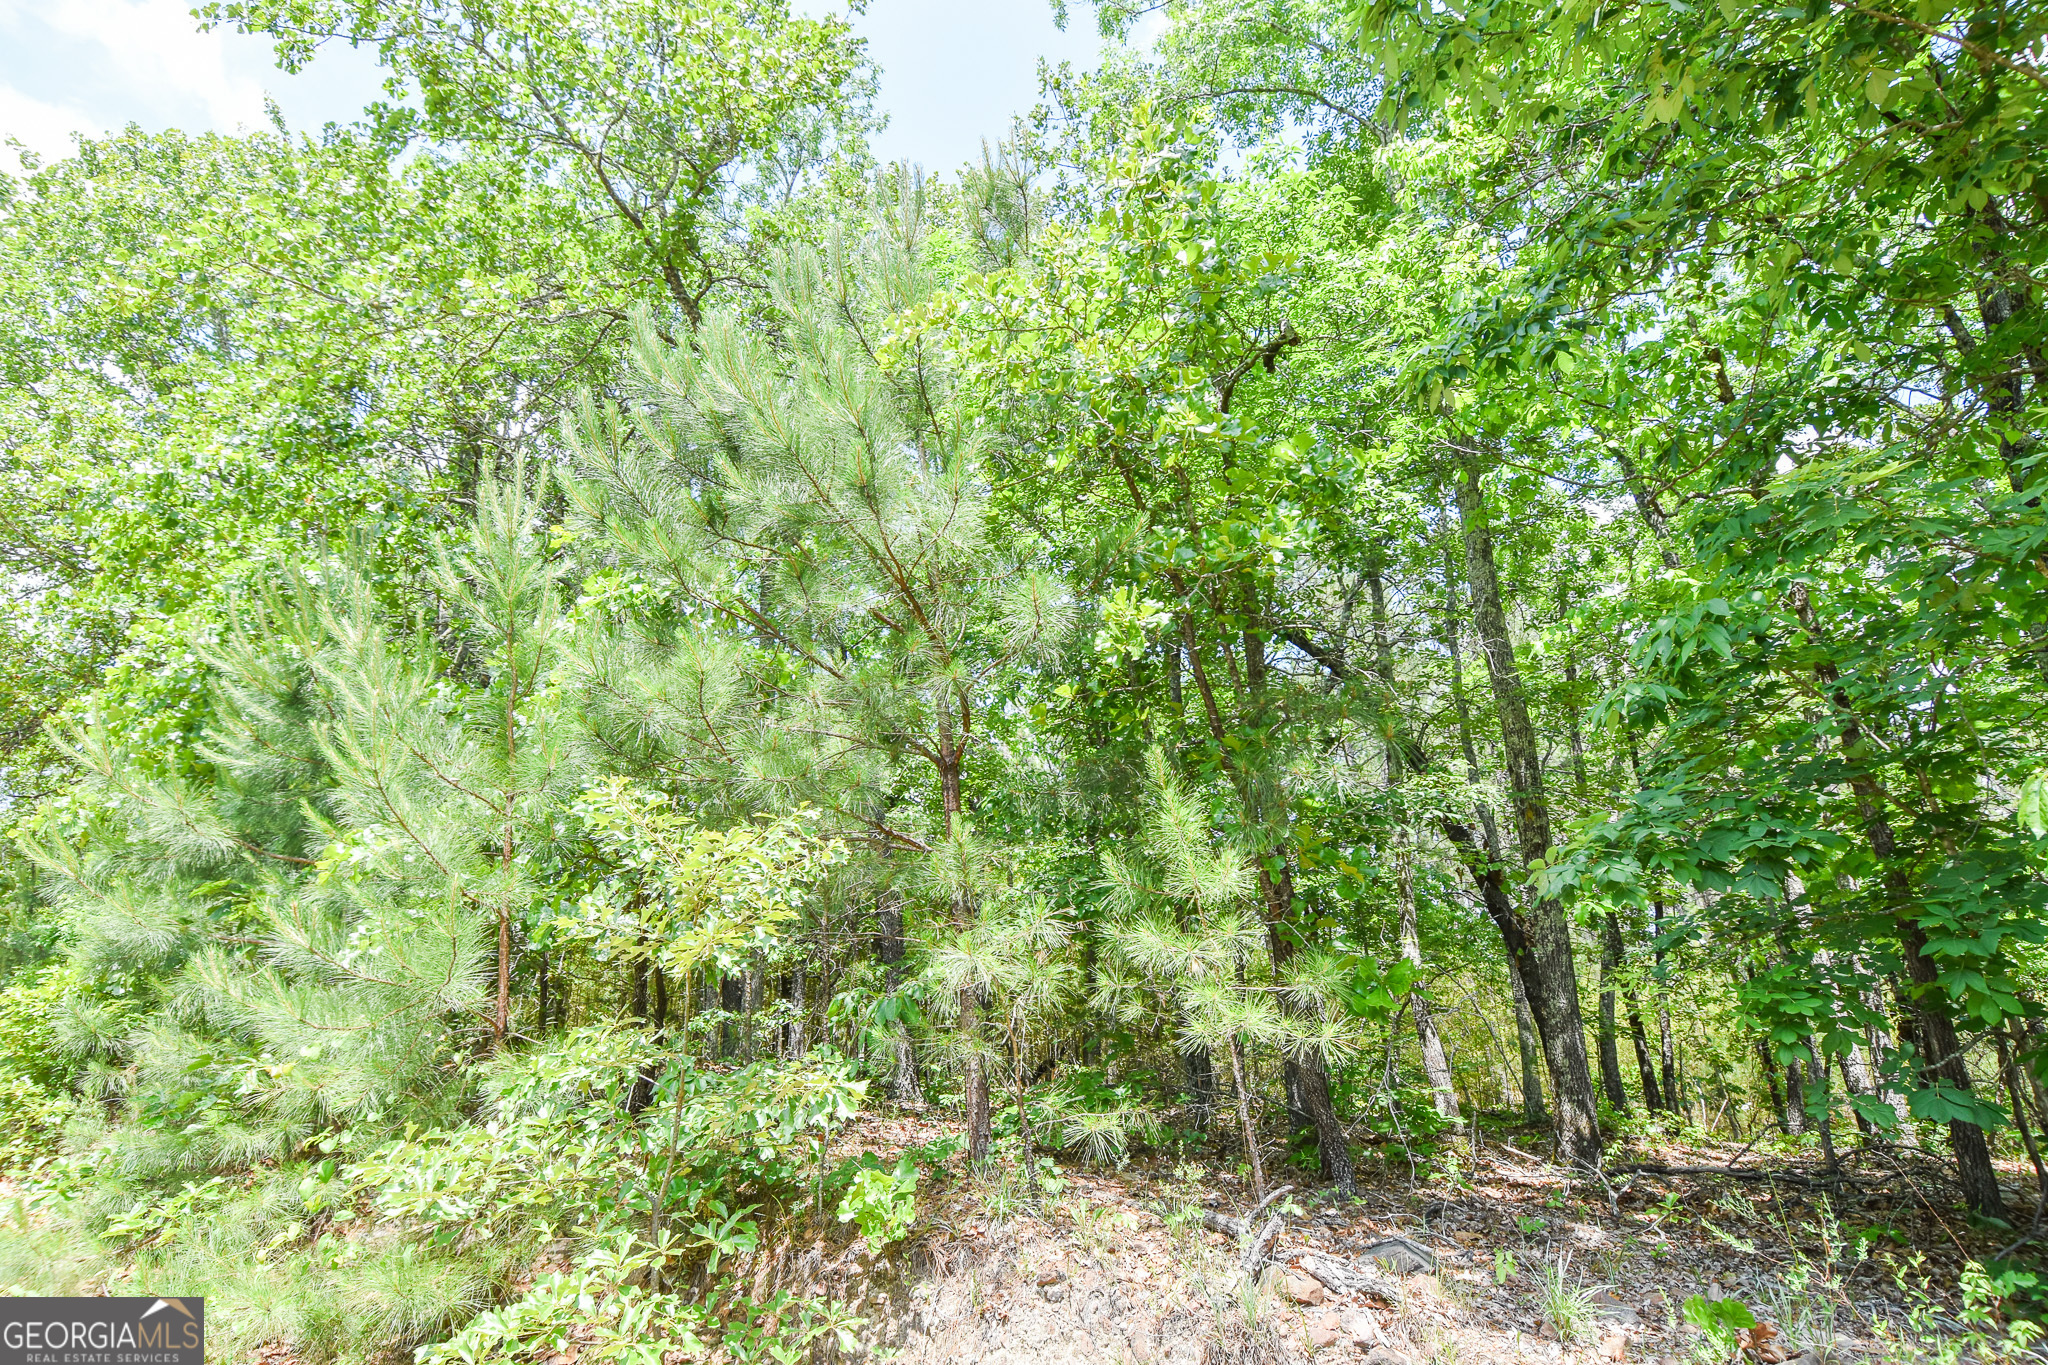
(1240, 1227)
(1533, 1160)
(1344, 1277)
(1741, 1173)
(1254, 1254)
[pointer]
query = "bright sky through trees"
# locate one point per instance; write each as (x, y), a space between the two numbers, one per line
(953, 73)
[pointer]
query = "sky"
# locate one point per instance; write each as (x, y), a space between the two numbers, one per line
(953, 72)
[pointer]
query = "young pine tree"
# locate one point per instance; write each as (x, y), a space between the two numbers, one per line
(826, 614)
(323, 915)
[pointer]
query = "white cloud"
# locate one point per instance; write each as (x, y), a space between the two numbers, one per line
(154, 48)
(45, 129)
(119, 60)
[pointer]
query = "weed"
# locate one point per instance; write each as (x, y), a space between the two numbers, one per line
(1569, 1308)
(882, 1202)
(1613, 1258)
(1719, 1320)
(1251, 1298)
(1803, 1304)
(1529, 1225)
(1096, 1226)
(1183, 1224)
(1930, 1338)
(1667, 1208)
(1004, 1191)
(1503, 1265)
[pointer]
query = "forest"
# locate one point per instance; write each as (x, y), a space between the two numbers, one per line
(631, 735)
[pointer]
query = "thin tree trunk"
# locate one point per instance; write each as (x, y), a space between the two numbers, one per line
(753, 986)
(1244, 1121)
(1858, 1081)
(1653, 1099)
(501, 1015)
(1550, 978)
(2008, 1071)
(732, 1003)
(1674, 1093)
(974, 1082)
(1769, 1067)
(1610, 1051)
(1941, 1054)
(1944, 1060)
(1201, 1081)
(642, 1093)
(1817, 1067)
(1276, 891)
(904, 1086)
(1667, 1046)
(1435, 1065)
(800, 1025)
(1332, 1146)
(1017, 1094)
(1532, 1071)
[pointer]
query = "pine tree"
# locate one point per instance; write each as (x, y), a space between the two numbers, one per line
(321, 918)
(827, 614)
(1185, 926)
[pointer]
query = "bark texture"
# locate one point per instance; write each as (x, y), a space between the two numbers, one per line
(1549, 977)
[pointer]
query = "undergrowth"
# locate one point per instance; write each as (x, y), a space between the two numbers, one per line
(365, 1244)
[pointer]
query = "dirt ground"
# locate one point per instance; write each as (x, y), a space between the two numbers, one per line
(1528, 1264)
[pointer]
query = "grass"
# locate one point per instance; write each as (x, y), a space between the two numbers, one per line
(1569, 1308)
(331, 1300)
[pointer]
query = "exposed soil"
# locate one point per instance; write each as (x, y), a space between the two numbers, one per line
(1110, 1266)
(1117, 1265)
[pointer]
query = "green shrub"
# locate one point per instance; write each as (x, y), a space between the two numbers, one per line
(882, 1203)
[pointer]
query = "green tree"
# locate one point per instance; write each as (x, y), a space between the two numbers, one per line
(657, 115)
(829, 613)
(313, 931)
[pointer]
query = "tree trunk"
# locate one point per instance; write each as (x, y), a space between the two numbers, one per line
(1244, 1121)
(732, 1002)
(1276, 892)
(501, 1014)
(1464, 711)
(1653, 1100)
(1769, 1067)
(1817, 1068)
(642, 1093)
(1610, 1051)
(1332, 1146)
(800, 1025)
(753, 986)
(1667, 1047)
(1525, 1035)
(1550, 979)
(2008, 1071)
(1674, 1093)
(1943, 1061)
(904, 1086)
(1941, 1054)
(1435, 1065)
(1201, 1085)
(974, 1082)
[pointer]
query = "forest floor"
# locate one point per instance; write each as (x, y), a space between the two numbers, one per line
(1486, 1256)
(1529, 1265)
